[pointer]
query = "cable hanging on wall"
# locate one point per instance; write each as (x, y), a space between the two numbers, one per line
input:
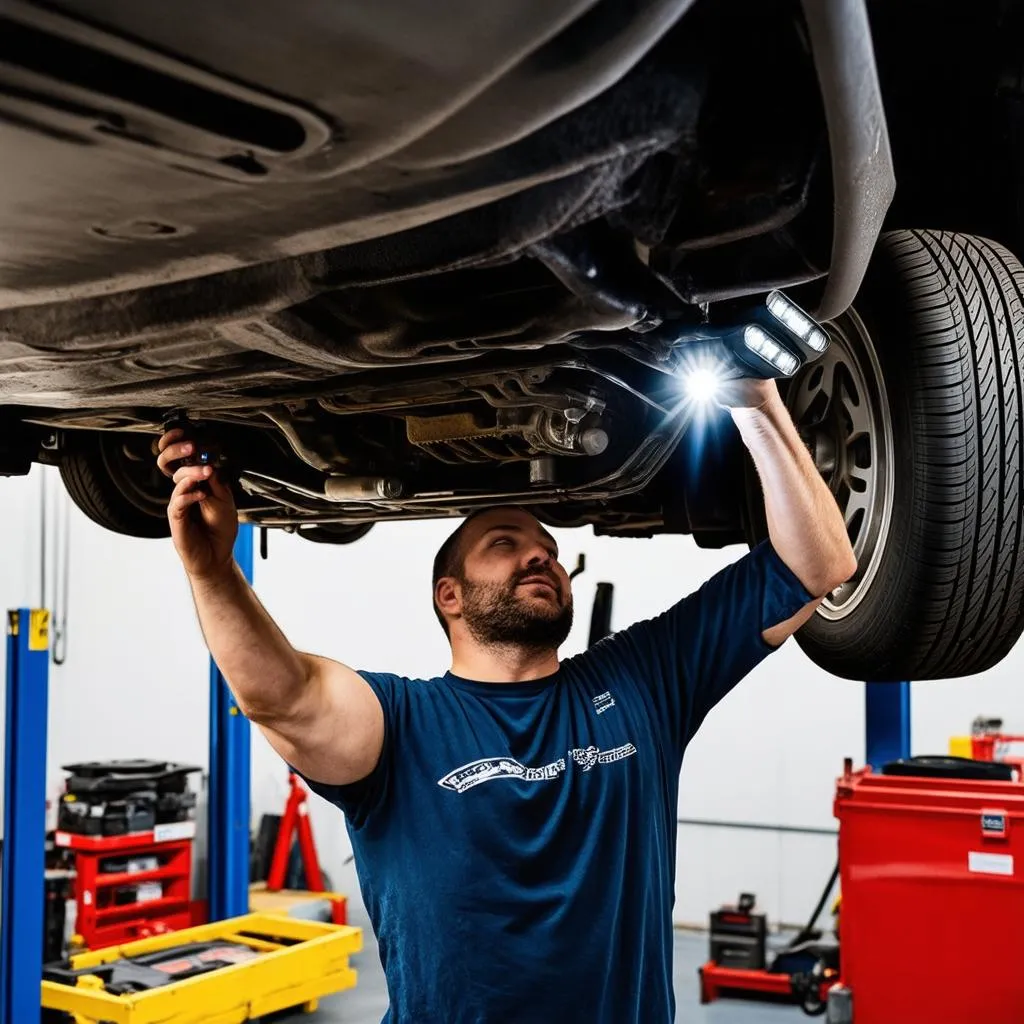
(55, 536)
(61, 581)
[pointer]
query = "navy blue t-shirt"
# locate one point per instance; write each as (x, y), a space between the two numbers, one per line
(516, 842)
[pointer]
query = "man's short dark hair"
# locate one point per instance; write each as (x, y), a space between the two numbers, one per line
(450, 558)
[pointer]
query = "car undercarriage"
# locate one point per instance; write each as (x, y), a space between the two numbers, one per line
(394, 265)
(519, 350)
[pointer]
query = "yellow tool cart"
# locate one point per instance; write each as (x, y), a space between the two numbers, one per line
(222, 973)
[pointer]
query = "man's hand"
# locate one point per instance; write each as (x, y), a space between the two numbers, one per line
(204, 520)
(319, 715)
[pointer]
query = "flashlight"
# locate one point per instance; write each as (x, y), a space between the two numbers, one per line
(770, 342)
(205, 449)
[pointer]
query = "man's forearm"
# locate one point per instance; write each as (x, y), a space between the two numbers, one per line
(265, 673)
(804, 521)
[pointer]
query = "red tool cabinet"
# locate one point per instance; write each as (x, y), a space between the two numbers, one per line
(932, 919)
(121, 906)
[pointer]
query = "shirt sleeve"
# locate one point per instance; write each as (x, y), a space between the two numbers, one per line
(359, 799)
(689, 657)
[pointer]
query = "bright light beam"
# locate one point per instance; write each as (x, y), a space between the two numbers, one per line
(701, 384)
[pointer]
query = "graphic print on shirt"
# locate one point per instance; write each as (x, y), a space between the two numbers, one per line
(487, 768)
(587, 757)
(603, 702)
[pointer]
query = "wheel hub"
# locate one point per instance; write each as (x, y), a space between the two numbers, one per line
(824, 450)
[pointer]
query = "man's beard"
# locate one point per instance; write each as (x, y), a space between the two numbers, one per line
(497, 615)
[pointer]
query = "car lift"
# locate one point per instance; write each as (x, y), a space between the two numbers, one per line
(229, 807)
(24, 809)
(21, 899)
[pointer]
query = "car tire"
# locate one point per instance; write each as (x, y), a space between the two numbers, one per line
(113, 479)
(915, 418)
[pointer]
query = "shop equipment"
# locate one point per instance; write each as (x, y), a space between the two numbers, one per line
(131, 886)
(931, 854)
(222, 973)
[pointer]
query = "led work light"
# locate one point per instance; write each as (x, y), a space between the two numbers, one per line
(772, 342)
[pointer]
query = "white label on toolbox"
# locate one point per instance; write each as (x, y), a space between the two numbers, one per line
(149, 891)
(990, 863)
(174, 830)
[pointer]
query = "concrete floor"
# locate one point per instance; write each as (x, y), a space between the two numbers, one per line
(366, 1003)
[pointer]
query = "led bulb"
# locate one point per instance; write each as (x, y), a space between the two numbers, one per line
(761, 343)
(786, 363)
(817, 339)
(701, 384)
(797, 321)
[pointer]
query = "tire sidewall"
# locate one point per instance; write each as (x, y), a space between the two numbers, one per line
(883, 613)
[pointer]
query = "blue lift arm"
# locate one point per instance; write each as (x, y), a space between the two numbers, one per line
(24, 860)
(886, 722)
(228, 811)
(22, 897)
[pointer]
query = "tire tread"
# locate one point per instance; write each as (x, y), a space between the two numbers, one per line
(960, 598)
(93, 489)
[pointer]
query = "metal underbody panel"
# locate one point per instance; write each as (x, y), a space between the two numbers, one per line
(275, 216)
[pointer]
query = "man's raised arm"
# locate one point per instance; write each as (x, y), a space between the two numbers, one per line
(805, 525)
(318, 714)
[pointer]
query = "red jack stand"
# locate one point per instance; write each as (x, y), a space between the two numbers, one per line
(296, 817)
(296, 820)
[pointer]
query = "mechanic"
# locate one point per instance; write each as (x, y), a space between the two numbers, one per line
(514, 820)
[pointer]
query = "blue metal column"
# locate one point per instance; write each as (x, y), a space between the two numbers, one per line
(21, 919)
(887, 722)
(228, 812)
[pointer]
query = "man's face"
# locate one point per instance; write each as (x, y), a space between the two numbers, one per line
(514, 590)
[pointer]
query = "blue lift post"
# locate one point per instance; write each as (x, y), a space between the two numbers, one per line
(886, 722)
(228, 810)
(24, 860)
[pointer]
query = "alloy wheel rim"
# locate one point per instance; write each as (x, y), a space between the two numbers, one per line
(132, 468)
(841, 409)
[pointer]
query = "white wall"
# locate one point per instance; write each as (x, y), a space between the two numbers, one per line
(135, 683)
(19, 547)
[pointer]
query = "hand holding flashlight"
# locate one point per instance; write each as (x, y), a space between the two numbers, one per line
(206, 451)
(742, 393)
(728, 364)
(201, 510)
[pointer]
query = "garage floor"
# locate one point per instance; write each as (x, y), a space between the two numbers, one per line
(365, 1004)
